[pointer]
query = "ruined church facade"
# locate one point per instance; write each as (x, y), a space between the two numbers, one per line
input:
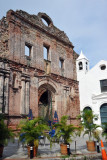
(37, 69)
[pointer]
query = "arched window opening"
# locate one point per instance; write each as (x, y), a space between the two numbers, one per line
(103, 113)
(86, 66)
(80, 66)
(103, 85)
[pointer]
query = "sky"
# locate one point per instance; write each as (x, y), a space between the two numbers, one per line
(84, 22)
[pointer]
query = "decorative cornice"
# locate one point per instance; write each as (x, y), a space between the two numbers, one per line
(100, 96)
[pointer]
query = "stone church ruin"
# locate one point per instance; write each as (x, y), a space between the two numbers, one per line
(37, 69)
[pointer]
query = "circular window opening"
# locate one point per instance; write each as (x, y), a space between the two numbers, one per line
(45, 22)
(103, 67)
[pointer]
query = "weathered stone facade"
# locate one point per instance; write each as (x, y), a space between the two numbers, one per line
(30, 81)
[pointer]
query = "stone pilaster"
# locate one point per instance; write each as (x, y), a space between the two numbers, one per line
(6, 94)
(1, 91)
(22, 105)
(27, 97)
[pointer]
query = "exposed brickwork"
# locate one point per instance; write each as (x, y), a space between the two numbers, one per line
(29, 76)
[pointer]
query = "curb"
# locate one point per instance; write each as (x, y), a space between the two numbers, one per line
(82, 157)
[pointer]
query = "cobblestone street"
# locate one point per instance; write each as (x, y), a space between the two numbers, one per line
(13, 151)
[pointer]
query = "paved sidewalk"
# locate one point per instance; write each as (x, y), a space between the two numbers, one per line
(15, 151)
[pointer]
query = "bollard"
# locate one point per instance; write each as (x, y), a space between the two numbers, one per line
(98, 148)
(31, 152)
(68, 149)
(75, 147)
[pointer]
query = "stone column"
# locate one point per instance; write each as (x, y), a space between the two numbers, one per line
(1, 91)
(22, 106)
(6, 94)
(27, 97)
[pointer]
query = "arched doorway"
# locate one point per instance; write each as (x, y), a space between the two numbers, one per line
(87, 108)
(46, 101)
(103, 113)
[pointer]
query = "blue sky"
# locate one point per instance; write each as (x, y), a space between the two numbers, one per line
(84, 22)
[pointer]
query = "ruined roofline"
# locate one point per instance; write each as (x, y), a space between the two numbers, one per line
(36, 21)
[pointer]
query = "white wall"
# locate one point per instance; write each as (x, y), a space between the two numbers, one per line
(89, 88)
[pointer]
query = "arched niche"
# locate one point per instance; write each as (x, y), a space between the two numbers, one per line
(103, 113)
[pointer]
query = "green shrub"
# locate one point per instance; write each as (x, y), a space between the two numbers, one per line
(64, 130)
(5, 132)
(32, 130)
(87, 121)
(104, 132)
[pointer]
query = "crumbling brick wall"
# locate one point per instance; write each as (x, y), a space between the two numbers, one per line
(30, 75)
(4, 36)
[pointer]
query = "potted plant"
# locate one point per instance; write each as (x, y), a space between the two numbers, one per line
(64, 131)
(5, 134)
(97, 135)
(30, 132)
(87, 121)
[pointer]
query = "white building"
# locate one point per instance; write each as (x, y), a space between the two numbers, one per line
(93, 87)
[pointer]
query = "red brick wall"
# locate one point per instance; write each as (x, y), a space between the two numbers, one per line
(20, 28)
